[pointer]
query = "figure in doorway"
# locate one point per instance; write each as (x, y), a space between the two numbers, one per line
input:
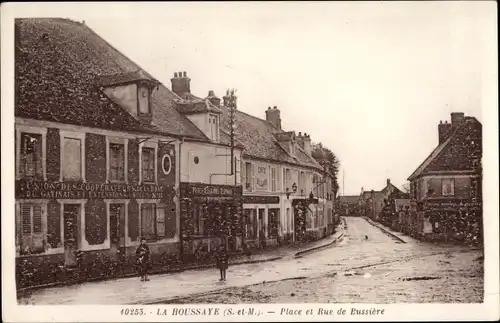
(142, 258)
(222, 261)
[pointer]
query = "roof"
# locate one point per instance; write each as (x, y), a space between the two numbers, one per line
(350, 199)
(60, 65)
(449, 155)
(258, 137)
(196, 106)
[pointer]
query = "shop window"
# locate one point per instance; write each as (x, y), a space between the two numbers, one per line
(72, 159)
(250, 224)
(199, 217)
(148, 165)
(117, 162)
(31, 233)
(31, 155)
(448, 187)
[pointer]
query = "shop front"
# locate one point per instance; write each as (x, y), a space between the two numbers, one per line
(261, 221)
(305, 213)
(452, 219)
(210, 216)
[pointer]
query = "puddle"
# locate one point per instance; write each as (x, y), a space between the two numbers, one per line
(420, 278)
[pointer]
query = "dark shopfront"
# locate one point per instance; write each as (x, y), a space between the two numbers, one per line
(300, 209)
(458, 220)
(210, 216)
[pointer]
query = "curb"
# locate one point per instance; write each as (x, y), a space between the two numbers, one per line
(380, 227)
(341, 235)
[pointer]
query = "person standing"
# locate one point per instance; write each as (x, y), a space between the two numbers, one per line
(222, 262)
(142, 258)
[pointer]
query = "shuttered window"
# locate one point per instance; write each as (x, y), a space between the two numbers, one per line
(31, 155)
(148, 164)
(274, 179)
(32, 232)
(72, 159)
(117, 162)
(148, 221)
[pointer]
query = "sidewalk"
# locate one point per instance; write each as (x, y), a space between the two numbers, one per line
(194, 279)
(395, 234)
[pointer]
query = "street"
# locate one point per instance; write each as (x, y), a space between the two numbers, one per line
(366, 266)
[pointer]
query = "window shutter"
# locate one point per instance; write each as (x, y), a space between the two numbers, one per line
(160, 222)
(38, 232)
(243, 174)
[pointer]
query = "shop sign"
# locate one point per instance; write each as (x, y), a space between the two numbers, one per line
(254, 199)
(207, 190)
(65, 190)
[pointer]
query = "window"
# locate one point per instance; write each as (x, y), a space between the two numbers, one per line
(116, 217)
(274, 179)
(148, 221)
(31, 231)
(117, 162)
(143, 100)
(214, 127)
(448, 187)
(250, 224)
(199, 217)
(248, 176)
(148, 164)
(31, 155)
(72, 159)
(288, 179)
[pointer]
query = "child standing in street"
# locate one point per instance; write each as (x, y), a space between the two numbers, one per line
(222, 262)
(142, 257)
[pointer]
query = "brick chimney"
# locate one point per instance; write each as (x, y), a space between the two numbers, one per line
(388, 181)
(273, 116)
(305, 142)
(213, 99)
(181, 83)
(444, 131)
(457, 118)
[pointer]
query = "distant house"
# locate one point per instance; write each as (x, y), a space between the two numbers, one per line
(348, 204)
(372, 202)
(447, 185)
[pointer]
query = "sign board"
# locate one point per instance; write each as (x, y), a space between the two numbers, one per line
(253, 199)
(261, 178)
(208, 190)
(65, 190)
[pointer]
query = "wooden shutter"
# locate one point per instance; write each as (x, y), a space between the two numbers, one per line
(160, 222)
(38, 232)
(25, 227)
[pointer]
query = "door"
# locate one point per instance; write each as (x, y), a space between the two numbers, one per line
(116, 221)
(71, 236)
(262, 225)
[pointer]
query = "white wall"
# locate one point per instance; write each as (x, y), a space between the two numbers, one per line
(213, 159)
(201, 122)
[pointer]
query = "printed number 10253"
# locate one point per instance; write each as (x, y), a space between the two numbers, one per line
(132, 311)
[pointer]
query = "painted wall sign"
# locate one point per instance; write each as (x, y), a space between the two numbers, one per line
(207, 190)
(62, 190)
(254, 199)
(451, 204)
(261, 178)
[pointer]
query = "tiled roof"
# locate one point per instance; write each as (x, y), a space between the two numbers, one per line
(349, 199)
(59, 66)
(258, 137)
(451, 154)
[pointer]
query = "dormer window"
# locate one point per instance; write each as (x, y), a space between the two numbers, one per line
(143, 99)
(213, 122)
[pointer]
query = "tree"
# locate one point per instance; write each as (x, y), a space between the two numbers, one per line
(406, 188)
(326, 158)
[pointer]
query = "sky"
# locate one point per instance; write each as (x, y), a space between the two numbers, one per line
(370, 80)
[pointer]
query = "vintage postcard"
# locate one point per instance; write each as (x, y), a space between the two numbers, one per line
(249, 161)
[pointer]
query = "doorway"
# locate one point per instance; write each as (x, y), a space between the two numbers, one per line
(71, 219)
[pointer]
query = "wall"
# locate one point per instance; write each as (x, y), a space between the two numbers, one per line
(200, 120)
(125, 96)
(212, 159)
(462, 186)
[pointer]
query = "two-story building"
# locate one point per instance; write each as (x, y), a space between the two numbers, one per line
(371, 203)
(210, 187)
(446, 187)
(277, 168)
(98, 144)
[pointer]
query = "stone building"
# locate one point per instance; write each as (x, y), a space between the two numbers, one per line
(446, 188)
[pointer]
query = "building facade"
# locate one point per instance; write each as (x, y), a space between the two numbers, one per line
(371, 203)
(446, 189)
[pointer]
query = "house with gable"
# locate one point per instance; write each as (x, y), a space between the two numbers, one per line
(277, 173)
(372, 202)
(446, 189)
(99, 148)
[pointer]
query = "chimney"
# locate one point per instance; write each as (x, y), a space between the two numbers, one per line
(305, 142)
(457, 118)
(388, 181)
(444, 131)
(181, 83)
(213, 99)
(273, 116)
